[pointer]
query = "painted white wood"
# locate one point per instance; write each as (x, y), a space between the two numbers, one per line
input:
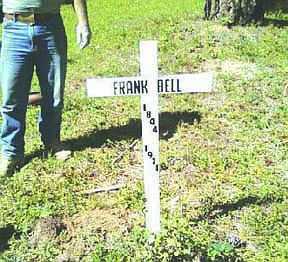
(126, 86)
(150, 134)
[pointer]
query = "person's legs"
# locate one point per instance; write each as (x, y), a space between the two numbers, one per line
(16, 75)
(51, 63)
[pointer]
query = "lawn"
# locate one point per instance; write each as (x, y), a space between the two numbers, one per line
(223, 155)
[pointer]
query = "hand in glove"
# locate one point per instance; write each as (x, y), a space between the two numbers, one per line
(83, 35)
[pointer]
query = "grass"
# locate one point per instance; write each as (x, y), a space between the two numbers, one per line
(223, 155)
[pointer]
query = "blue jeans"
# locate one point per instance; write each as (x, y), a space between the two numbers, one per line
(42, 46)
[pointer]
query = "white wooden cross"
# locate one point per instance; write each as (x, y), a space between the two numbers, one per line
(149, 85)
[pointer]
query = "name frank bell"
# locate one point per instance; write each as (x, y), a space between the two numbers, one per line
(139, 87)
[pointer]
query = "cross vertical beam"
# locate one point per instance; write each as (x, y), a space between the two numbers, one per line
(150, 134)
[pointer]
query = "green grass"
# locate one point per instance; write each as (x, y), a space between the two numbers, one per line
(224, 154)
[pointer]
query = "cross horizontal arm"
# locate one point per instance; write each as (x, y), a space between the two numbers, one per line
(126, 86)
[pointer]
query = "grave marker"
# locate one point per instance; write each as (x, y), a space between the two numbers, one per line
(149, 85)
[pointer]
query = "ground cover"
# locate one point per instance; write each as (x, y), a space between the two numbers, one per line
(223, 155)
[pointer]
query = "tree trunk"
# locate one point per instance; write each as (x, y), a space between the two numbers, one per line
(235, 11)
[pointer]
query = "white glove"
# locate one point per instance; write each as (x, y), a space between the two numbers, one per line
(83, 35)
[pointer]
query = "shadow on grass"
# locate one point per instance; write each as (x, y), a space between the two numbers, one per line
(5, 234)
(275, 22)
(168, 123)
(220, 210)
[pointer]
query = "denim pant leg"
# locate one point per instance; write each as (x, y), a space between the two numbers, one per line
(51, 64)
(16, 73)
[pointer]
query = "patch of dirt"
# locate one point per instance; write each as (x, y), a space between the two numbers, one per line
(46, 230)
(78, 235)
(105, 219)
(93, 226)
(243, 69)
